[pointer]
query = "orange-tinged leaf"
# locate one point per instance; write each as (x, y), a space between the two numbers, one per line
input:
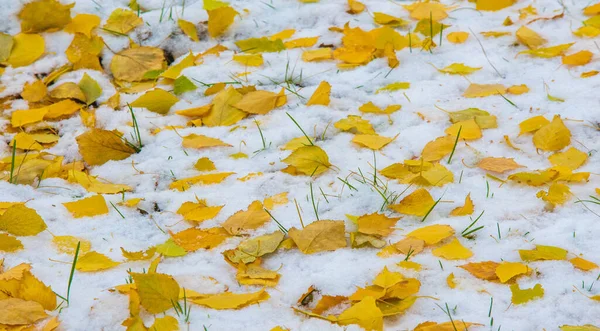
(417, 203)
(436, 149)
(466, 209)
(583, 264)
(100, 146)
(376, 224)
(498, 164)
(518, 89)
(520, 296)
(578, 59)
(457, 37)
(15, 311)
(20, 220)
(552, 137)
(252, 218)
(94, 261)
(321, 95)
(529, 37)
(453, 251)
(483, 90)
(157, 291)
(432, 234)
(482, 270)
(450, 281)
(319, 236)
(92, 206)
(193, 238)
(493, 5)
(508, 270)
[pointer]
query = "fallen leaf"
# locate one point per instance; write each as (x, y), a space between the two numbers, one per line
(530, 38)
(198, 211)
(20, 220)
(309, 160)
(321, 95)
(466, 209)
(432, 234)
(437, 149)
(364, 313)
(458, 37)
(230, 300)
(552, 137)
(578, 59)
(193, 239)
(92, 206)
(68, 244)
(453, 251)
(509, 270)
(417, 203)
(548, 52)
(249, 250)
(543, 253)
(157, 101)
(583, 264)
(372, 141)
(493, 5)
(44, 15)
(122, 21)
(94, 261)
(84, 24)
(252, 218)
(132, 64)
(483, 90)
(15, 311)
(212, 178)
(157, 291)
(27, 48)
(99, 146)
(458, 69)
(482, 270)
(376, 224)
(498, 164)
(9, 243)
(354, 124)
(319, 236)
(520, 296)
(223, 112)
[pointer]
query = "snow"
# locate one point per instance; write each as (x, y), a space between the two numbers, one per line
(512, 209)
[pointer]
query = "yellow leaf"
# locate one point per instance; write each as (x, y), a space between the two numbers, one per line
(15, 311)
(90, 88)
(458, 37)
(552, 137)
(174, 70)
(535, 178)
(432, 234)
(230, 300)
(376, 224)
(372, 141)
(385, 19)
(417, 203)
(189, 29)
(355, 55)
(466, 209)
(453, 251)
(223, 113)
(31, 288)
(157, 291)
(588, 74)
(34, 92)
(529, 37)
(319, 54)
(167, 323)
(583, 264)
(557, 194)
(91, 184)
(68, 244)
(52, 324)
(355, 7)
(157, 101)
(508, 270)
(94, 261)
(204, 164)
(450, 281)
(309, 160)
(364, 313)
(122, 21)
(25, 141)
(198, 211)
(548, 52)
(495, 34)
(44, 15)
(321, 95)
(578, 59)
(394, 87)
(195, 112)
(9, 243)
(387, 279)
(520, 296)
(303, 42)
(251, 249)
(138, 256)
(214, 178)
(426, 9)
(436, 150)
(20, 220)
(100, 146)
(132, 64)
(260, 102)
(84, 49)
(446, 326)
(369, 107)
(533, 124)
(92, 206)
(220, 19)
(410, 265)
(498, 164)
(518, 89)
(193, 238)
(493, 5)
(27, 49)
(84, 24)
(354, 124)
(592, 10)
(319, 236)
(587, 327)
(587, 31)
(543, 253)
(250, 60)
(170, 248)
(469, 130)
(482, 270)
(458, 69)
(252, 218)
(201, 141)
(283, 34)
(62, 108)
(483, 90)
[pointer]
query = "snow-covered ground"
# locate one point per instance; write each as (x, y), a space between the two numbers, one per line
(514, 217)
